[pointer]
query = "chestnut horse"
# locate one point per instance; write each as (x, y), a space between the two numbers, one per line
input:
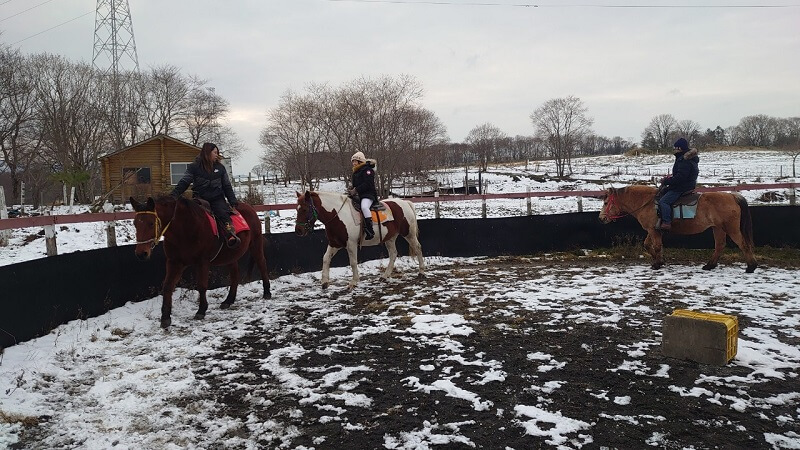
(189, 240)
(343, 229)
(725, 213)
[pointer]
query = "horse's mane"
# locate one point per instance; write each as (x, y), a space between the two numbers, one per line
(194, 208)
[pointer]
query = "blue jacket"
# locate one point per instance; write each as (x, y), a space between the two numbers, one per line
(208, 186)
(684, 172)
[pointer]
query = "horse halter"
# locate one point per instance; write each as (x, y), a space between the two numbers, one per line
(611, 200)
(159, 232)
(311, 215)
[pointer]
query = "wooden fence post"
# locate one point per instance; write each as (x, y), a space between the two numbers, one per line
(483, 207)
(267, 223)
(528, 200)
(111, 226)
(5, 235)
(436, 205)
(792, 196)
(580, 204)
(50, 238)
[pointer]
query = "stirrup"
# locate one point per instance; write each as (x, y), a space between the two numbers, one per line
(233, 241)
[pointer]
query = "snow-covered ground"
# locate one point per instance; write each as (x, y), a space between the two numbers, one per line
(404, 365)
(591, 174)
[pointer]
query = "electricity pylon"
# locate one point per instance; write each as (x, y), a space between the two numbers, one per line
(114, 45)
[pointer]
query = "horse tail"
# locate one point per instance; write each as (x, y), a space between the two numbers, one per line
(745, 220)
(413, 229)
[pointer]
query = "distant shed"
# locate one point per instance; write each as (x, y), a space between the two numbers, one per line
(147, 168)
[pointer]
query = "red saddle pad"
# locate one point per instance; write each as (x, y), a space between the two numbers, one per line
(239, 224)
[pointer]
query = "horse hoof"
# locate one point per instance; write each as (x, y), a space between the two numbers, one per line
(750, 269)
(420, 276)
(267, 294)
(324, 285)
(165, 323)
(709, 266)
(199, 316)
(225, 305)
(656, 266)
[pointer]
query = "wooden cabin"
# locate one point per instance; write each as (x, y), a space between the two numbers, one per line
(148, 168)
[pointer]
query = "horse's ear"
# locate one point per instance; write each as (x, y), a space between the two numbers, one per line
(136, 205)
(298, 194)
(151, 204)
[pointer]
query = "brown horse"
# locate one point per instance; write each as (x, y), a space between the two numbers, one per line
(725, 213)
(343, 229)
(189, 240)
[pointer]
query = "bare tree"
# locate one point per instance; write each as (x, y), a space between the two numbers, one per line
(660, 132)
(758, 130)
(690, 130)
(71, 99)
(561, 123)
(292, 136)
(484, 141)
(19, 130)
(166, 99)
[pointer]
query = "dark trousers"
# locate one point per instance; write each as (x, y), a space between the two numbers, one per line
(221, 211)
(665, 205)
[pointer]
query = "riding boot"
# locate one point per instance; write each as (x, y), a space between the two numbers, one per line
(368, 231)
(233, 240)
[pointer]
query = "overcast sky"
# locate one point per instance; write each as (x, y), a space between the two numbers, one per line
(478, 61)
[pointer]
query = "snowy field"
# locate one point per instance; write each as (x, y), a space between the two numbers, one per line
(591, 174)
(509, 353)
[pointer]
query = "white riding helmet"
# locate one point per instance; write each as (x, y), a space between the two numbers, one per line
(358, 156)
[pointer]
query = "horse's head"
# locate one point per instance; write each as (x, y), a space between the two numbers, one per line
(611, 210)
(148, 227)
(306, 214)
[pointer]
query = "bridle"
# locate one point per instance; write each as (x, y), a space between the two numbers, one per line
(159, 232)
(611, 200)
(313, 215)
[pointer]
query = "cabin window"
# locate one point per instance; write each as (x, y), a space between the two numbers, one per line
(176, 171)
(136, 175)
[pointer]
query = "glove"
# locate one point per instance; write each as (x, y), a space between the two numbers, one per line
(234, 204)
(353, 191)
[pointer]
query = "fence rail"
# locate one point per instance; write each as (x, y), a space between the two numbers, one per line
(51, 220)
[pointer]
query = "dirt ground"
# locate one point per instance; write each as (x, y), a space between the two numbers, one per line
(608, 375)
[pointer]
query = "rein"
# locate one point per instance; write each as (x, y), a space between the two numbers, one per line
(313, 215)
(159, 232)
(612, 201)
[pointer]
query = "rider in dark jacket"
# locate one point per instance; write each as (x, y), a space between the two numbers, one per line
(364, 187)
(209, 181)
(683, 179)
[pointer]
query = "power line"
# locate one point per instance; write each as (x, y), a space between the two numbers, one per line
(51, 28)
(7, 1)
(566, 5)
(23, 12)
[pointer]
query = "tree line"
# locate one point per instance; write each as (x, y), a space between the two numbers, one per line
(57, 117)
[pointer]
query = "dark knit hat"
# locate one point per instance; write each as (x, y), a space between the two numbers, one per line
(682, 144)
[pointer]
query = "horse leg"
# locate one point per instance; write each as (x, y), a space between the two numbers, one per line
(719, 247)
(415, 248)
(352, 254)
(391, 246)
(746, 248)
(234, 277)
(174, 272)
(261, 260)
(653, 245)
(202, 289)
(326, 265)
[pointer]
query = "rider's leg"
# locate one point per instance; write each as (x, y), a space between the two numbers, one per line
(665, 206)
(222, 212)
(365, 205)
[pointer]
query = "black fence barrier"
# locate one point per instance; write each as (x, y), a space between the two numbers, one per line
(37, 296)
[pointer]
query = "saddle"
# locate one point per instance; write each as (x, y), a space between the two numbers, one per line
(239, 224)
(685, 207)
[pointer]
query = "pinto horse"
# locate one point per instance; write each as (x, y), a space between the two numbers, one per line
(342, 223)
(189, 240)
(725, 213)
